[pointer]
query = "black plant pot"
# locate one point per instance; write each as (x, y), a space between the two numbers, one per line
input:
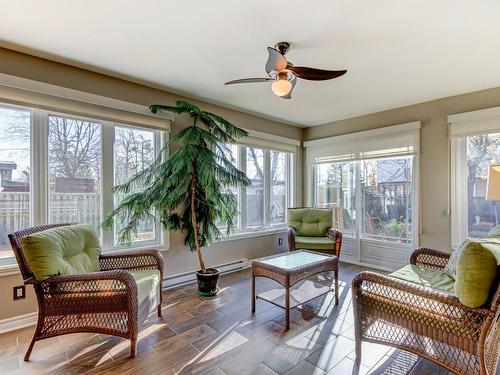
(208, 282)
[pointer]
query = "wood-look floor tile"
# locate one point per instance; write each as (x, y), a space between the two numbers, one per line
(178, 341)
(220, 336)
(327, 356)
(305, 368)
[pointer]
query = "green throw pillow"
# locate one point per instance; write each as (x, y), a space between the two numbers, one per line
(68, 250)
(477, 271)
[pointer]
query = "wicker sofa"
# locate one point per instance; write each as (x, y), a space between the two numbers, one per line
(429, 321)
(115, 300)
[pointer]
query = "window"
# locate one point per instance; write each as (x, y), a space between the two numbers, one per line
(386, 188)
(72, 164)
(369, 181)
(482, 150)
(264, 203)
(475, 145)
(255, 192)
(334, 188)
(279, 186)
(15, 174)
(74, 171)
(134, 150)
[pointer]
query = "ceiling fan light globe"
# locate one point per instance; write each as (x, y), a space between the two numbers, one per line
(282, 87)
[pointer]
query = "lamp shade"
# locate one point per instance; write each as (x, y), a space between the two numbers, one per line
(493, 188)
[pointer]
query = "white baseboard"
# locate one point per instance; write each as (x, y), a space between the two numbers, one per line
(17, 322)
(367, 265)
(190, 277)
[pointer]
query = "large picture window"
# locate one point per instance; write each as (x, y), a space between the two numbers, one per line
(15, 171)
(475, 146)
(482, 151)
(263, 204)
(385, 187)
(370, 181)
(57, 168)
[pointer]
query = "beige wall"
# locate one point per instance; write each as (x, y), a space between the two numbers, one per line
(177, 259)
(433, 162)
(434, 189)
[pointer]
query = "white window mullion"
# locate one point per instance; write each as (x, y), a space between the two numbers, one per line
(242, 155)
(359, 214)
(39, 167)
(107, 180)
(267, 188)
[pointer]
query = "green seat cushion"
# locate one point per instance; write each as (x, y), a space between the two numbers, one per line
(310, 222)
(68, 250)
(426, 277)
(494, 232)
(148, 283)
(477, 269)
(313, 243)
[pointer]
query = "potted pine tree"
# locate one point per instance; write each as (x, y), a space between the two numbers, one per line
(188, 190)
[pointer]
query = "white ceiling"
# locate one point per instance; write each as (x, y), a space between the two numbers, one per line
(396, 52)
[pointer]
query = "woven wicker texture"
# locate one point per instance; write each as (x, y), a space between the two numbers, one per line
(102, 302)
(432, 324)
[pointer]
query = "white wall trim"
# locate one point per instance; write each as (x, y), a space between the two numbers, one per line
(352, 137)
(10, 270)
(17, 322)
(81, 96)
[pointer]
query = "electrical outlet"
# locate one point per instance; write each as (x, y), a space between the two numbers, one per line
(280, 241)
(19, 292)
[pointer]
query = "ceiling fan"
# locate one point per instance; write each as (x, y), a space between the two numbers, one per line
(284, 74)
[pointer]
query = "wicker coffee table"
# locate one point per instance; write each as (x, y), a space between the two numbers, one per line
(295, 268)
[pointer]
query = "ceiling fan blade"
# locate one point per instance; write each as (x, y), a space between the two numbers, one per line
(313, 74)
(276, 61)
(289, 95)
(249, 80)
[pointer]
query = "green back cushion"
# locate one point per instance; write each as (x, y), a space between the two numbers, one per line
(67, 250)
(494, 232)
(310, 222)
(477, 268)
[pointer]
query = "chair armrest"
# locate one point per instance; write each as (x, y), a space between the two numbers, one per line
(91, 284)
(425, 299)
(429, 258)
(336, 236)
(291, 239)
(132, 260)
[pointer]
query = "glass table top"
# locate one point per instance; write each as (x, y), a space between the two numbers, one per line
(293, 260)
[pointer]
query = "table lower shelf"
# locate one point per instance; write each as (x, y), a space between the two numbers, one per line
(302, 292)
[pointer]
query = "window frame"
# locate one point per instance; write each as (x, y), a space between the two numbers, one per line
(459, 204)
(357, 231)
(267, 227)
(39, 179)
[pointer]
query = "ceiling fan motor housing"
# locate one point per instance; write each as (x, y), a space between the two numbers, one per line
(283, 47)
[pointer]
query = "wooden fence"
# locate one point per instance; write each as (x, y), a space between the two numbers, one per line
(63, 208)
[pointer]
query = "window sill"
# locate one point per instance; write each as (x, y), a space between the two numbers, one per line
(13, 269)
(256, 233)
(9, 270)
(159, 247)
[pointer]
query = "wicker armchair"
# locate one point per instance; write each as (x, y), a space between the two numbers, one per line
(430, 323)
(102, 302)
(311, 229)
